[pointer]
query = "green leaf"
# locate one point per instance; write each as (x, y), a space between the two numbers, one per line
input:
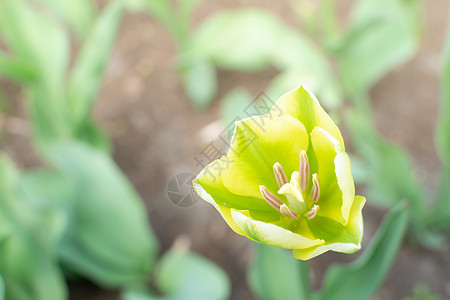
(382, 35)
(30, 233)
(2, 289)
(91, 133)
(441, 213)
(392, 177)
(252, 40)
(79, 14)
(442, 137)
(443, 126)
(360, 279)
(274, 274)
(200, 83)
(87, 73)
(233, 105)
(109, 239)
(185, 275)
(16, 68)
(39, 42)
(184, 13)
(243, 39)
(164, 12)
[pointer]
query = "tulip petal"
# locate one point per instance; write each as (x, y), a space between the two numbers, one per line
(209, 182)
(258, 143)
(271, 234)
(304, 106)
(336, 183)
(347, 240)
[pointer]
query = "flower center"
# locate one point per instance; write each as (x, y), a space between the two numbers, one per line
(300, 201)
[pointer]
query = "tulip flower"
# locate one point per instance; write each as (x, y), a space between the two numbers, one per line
(286, 181)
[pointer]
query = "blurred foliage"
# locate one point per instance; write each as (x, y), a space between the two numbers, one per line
(274, 275)
(381, 35)
(78, 15)
(360, 279)
(422, 292)
(442, 138)
(29, 233)
(184, 275)
(79, 213)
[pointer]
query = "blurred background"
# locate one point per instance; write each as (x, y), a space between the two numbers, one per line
(170, 89)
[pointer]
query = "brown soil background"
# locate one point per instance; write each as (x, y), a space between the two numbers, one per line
(155, 132)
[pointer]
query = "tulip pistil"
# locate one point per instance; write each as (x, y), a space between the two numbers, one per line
(280, 176)
(296, 191)
(285, 210)
(276, 203)
(315, 190)
(312, 213)
(303, 170)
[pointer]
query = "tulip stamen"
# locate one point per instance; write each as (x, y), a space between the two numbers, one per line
(312, 213)
(303, 170)
(280, 175)
(285, 210)
(270, 198)
(315, 190)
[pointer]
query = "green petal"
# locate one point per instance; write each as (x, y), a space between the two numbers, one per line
(271, 234)
(209, 185)
(303, 105)
(258, 143)
(345, 239)
(337, 189)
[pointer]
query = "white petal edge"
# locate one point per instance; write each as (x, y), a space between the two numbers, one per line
(271, 234)
(343, 174)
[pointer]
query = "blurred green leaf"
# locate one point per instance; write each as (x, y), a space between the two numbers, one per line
(391, 178)
(164, 12)
(252, 40)
(275, 275)
(87, 73)
(360, 171)
(79, 14)
(184, 13)
(2, 289)
(16, 68)
(43, 46)
(442, 138)
(50, 121)
(39, 42)
(200, 83)
(422, 292)
(234, 104)
(28, 262)
(382, 35)
(45, 188)
(242, 39)
(91, 133)
(185, 275)
(360, 279)
(109, 239)
(443, 126)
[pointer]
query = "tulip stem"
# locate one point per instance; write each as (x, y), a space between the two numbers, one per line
(305, 284)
